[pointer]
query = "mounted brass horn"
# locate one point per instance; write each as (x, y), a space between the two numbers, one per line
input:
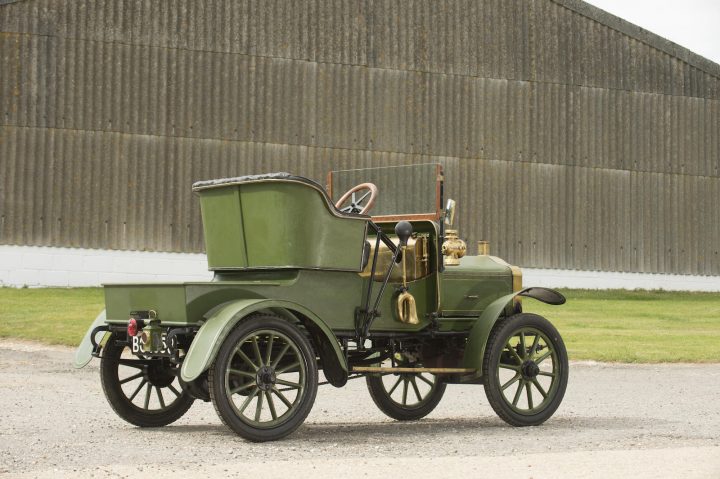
(407, 310)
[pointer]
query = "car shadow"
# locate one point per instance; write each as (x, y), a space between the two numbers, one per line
(358, 431)
(451, 426)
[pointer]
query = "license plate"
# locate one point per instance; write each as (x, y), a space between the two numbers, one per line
(138, 346)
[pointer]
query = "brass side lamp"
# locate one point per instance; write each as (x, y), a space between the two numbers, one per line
(453, 248)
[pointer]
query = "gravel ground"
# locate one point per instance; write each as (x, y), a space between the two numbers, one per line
(616, 421)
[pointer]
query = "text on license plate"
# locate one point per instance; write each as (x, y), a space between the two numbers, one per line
(138, 346)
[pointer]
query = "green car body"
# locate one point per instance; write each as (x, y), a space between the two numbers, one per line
(279, 246)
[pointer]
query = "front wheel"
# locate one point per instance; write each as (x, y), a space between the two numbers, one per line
(144, 392)
(264, 380)
(525, 370)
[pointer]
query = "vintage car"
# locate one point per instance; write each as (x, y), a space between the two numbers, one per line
(303, 284)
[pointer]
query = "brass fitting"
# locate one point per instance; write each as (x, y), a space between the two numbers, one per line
(483, 248)
(453, 248)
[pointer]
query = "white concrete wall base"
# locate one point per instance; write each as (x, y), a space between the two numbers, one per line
(71, 267)
(45, 266)
(559, 278)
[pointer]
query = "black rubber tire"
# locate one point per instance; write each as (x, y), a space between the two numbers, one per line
(392, 409)
(216, 378)
(121, 403)
(496, 344)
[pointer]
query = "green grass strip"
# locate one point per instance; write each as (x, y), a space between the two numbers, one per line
(637, 326)
(616, 326)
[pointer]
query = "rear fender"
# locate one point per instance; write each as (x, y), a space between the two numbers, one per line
(222, 319)
(480, 332)
(83, 354)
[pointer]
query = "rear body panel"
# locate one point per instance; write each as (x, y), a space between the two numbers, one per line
(167, 299)
(188, 303)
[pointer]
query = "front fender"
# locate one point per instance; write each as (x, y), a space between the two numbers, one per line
(223, 319)
(83, 354)
(480, 332)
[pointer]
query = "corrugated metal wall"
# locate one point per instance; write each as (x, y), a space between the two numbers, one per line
(568, 143)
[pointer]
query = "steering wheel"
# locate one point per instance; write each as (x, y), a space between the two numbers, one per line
(357, 202)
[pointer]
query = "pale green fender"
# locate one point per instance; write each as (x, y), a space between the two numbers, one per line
(480, 332)
(221, 321)
(83, 354)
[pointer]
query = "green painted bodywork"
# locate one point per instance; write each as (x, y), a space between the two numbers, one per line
(472, 285)
(120, 299)
(223, 319)
(280, 246)
(278, 224)
(330, 295)
(480, 332)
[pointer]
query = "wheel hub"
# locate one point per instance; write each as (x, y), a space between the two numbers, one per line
(265, 378)
(159, 376)
(530, 369)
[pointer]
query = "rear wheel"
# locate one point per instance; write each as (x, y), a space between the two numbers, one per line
(405, 396)
(144, 392)
(525, 370)
(264, 380)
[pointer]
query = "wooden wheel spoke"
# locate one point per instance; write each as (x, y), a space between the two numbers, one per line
(280, 356)
(239, 372)
(256, 349)
(160, 397)
(426, 380)
(528, 389)
(288, 368)
(175, 391)
(134, 363)
(535, 343)
(510, 383)
(545, 373)
(405, 391)
(131, 378)
(539, 388)
(271, 404)
(522, 342)
(139, 388)
(416, 389)
(258, 409)
(242, 388)
(147, 397)
(542, 358)
(282, 397)
(246, 359)
(514, 353)
(268, 352)
(288, 383)
(518, 392)
(397, 383)
(509, 366)
(246, 403)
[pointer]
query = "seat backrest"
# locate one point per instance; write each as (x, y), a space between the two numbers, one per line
(277, 221)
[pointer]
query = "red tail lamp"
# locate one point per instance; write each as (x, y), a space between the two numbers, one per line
(132, 327)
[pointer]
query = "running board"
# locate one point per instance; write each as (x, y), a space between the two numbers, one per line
(371, 369)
